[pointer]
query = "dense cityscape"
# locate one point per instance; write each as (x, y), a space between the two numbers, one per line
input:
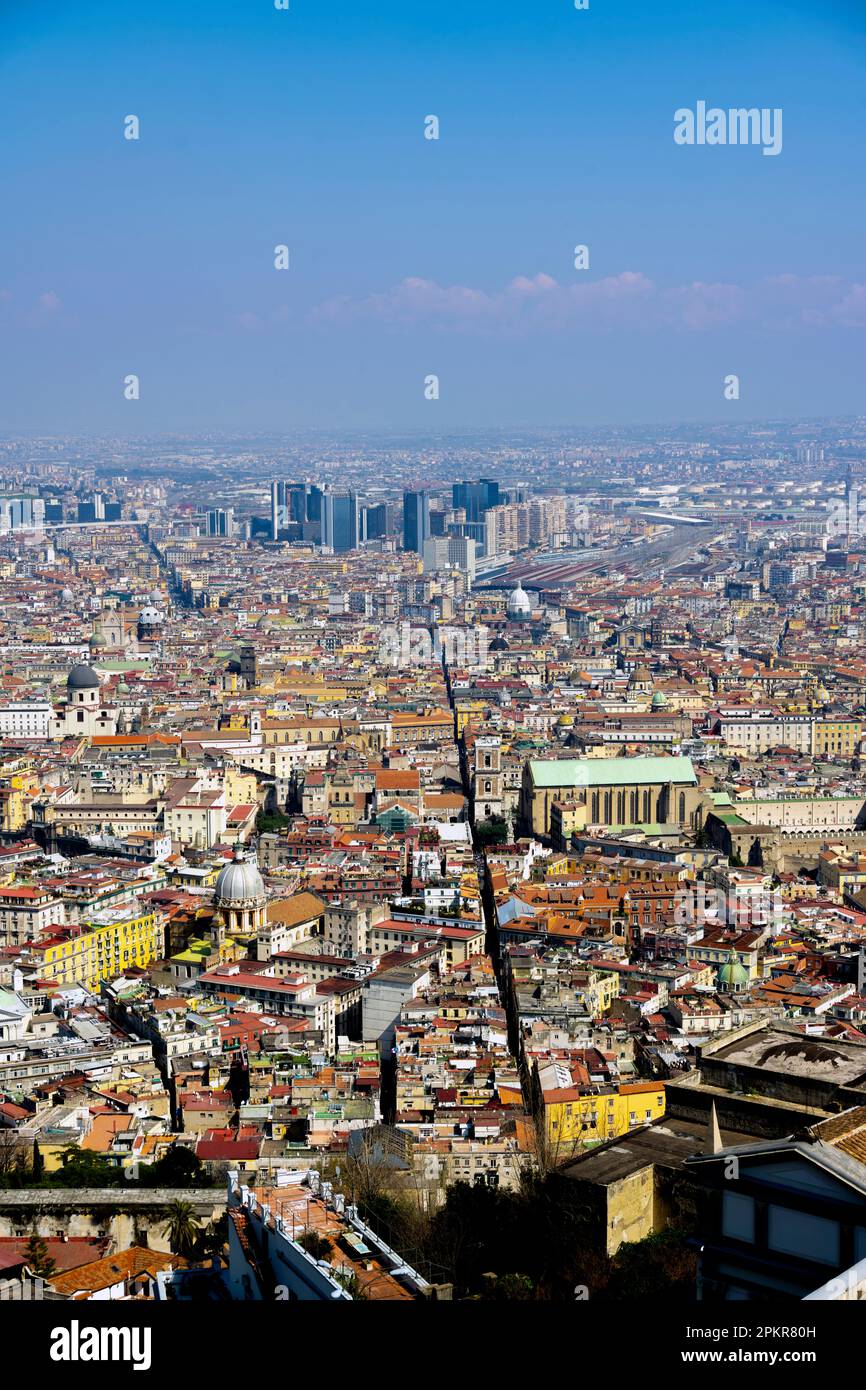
(432, 687)
(434, 869)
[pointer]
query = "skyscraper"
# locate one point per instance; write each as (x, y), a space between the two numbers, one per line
(221, 521)
(296, 510)
(375, 521)
(340, 517)
(416, 520)
(475, 498)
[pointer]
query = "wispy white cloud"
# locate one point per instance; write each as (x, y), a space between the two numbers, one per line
(252, 322)
(628, 300)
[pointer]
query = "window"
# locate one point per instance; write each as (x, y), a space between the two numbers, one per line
(799, 1233)
(738, 1217)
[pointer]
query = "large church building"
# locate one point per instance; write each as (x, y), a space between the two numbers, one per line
(81, 714)
(609, 792)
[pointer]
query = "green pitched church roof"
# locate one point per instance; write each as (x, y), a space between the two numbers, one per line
(611, 772)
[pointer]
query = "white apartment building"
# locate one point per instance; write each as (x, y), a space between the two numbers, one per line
(25, 912)
(26, 719)
(756, 736)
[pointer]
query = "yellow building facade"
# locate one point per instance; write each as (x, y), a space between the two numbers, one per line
(836, 737)
(572, 1118)
(102, 951)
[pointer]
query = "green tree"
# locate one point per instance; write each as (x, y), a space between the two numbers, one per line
(350, 1282)
(213, 1238)
(182, 1228)
(39, 1262)
(509, 1288)
(490, 832)
(316, 1245)
(14, 1168)
(179, 1167)
(663, 1266)
(82, 1168)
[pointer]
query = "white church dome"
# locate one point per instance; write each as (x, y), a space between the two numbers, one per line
(518, 603)
(239, 883)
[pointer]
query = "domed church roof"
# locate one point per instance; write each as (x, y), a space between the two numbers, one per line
(239, 883)
(82, 677)
(732, 975)
(518, 603)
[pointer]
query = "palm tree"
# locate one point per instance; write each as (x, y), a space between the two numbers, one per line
(39, 1262)
(182, 1228)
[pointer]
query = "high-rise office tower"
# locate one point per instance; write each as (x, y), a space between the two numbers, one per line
(296, 510)
(221, 521)
(313, 496)
(475, 498)
(340, 520)
(21, 513)
(416, 520)
(375, 521)
(94, 510)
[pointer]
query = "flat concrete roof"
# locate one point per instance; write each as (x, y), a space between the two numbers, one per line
(668, 1142)
(789, 1053)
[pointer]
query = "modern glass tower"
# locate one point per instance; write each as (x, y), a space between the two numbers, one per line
(416, 520)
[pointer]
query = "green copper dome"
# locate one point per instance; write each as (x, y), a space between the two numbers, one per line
(732, 975)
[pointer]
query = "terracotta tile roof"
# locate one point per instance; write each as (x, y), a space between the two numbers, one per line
(113, 1269)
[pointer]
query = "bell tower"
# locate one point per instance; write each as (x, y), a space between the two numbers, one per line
(487, 777)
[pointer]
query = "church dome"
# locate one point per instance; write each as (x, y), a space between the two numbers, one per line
(151, 616)
(82, 677)
(659, 700)
(732, 975)
(239, 884)
(498, 644)
(518, 603)
(67, 596)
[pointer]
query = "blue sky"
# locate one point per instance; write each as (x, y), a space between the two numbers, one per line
(411, 257)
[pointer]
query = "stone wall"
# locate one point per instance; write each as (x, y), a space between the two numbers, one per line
(690, 1099)
(136, 1217)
